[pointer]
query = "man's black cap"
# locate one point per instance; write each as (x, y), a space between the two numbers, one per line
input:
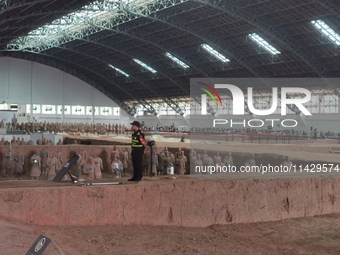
(135, 123)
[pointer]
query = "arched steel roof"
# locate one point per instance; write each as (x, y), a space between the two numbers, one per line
(179, 27)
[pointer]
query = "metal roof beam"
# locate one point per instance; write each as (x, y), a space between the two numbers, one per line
(275, 35)
(171, 103)
(105, 64)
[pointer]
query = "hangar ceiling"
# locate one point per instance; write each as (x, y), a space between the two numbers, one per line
(99, 47)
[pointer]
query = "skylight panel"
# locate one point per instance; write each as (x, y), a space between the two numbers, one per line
(263, 43)
(74, 21)
(326, 31)
(119, 71)
(145, 66)
(76, 25)
(176, 60)
(214, 53)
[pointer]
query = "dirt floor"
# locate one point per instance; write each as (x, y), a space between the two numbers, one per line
(304, 236)
(309, 236)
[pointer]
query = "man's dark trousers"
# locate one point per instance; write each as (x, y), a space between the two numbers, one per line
(137, 162)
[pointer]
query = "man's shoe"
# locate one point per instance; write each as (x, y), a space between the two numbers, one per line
(134, 180)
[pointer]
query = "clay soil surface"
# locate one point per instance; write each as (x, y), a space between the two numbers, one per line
(309, 236)
(305, 236)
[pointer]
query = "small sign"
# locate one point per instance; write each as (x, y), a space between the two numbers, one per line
(39, 245)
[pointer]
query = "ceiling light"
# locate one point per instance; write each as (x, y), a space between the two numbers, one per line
(326, 31)
(145, 66)
(118, 70)
(263, 43)
(214, 53)
(176, 60)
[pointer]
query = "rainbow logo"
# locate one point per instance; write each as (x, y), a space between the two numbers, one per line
(210, 89)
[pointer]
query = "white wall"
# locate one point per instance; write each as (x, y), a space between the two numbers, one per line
(25, 82)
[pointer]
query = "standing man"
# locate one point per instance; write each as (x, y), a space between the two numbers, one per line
(137, 152)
